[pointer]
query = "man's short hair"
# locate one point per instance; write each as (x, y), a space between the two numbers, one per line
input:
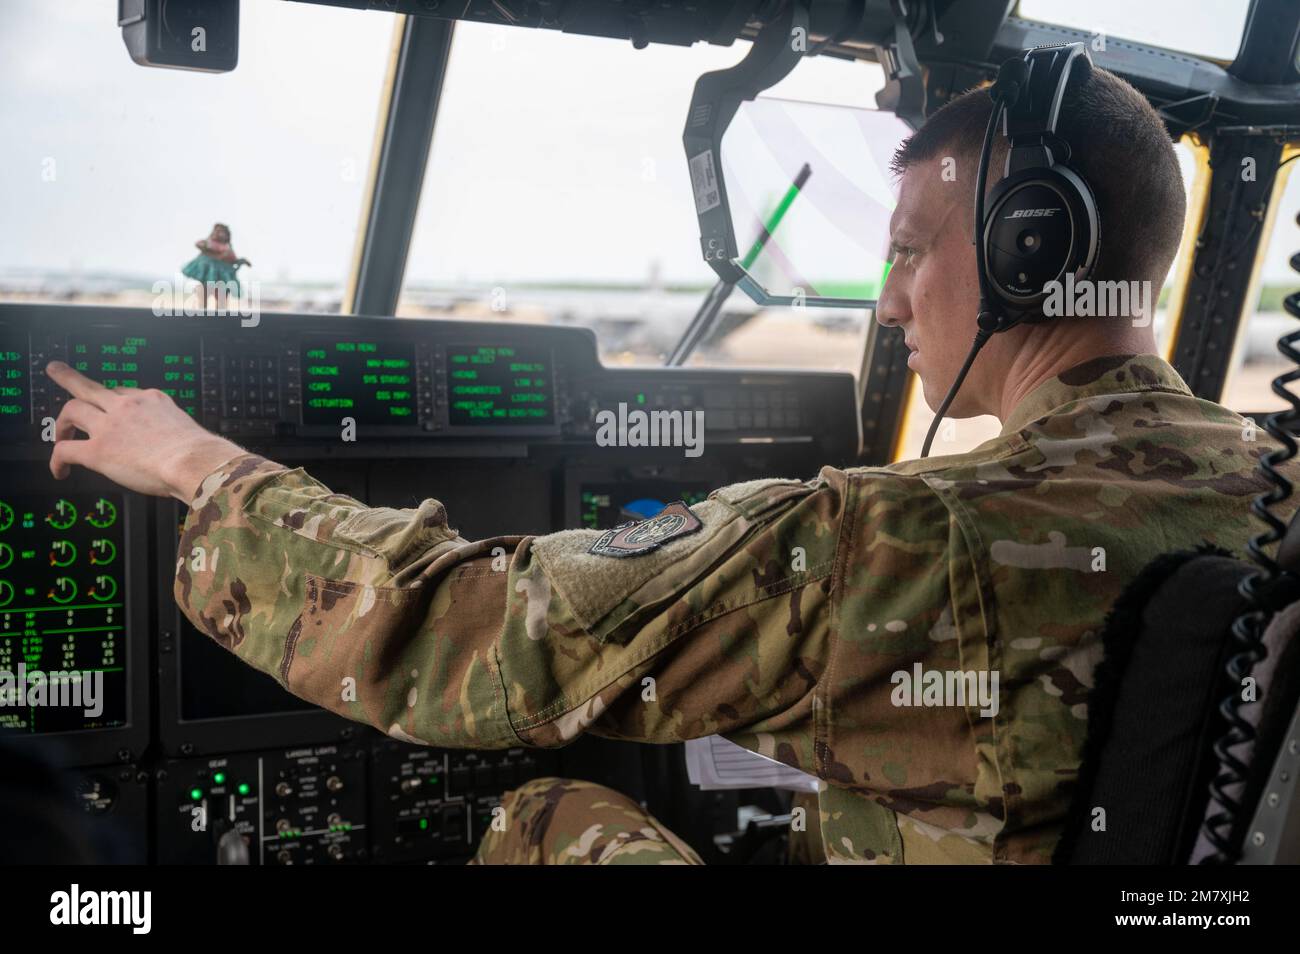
(1118, 144)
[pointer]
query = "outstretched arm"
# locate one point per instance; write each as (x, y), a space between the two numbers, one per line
(389, 617)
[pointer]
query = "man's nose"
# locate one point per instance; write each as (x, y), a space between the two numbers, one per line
(892, 307)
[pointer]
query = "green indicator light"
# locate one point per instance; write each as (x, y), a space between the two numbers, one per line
(424, 823)
(640, 399)
(219, 778)
(196, 793)
(243, 788)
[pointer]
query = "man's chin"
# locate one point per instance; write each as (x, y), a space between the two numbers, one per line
(934, 396)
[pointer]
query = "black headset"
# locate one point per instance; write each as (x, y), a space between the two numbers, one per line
(1040, 222)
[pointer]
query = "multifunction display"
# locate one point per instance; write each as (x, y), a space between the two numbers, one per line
(62, 612)
(498, 385)
(372, 382)
(608, 505)
(122, 359)
(15, 407)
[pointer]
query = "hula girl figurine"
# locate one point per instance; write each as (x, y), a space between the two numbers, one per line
(215, 266)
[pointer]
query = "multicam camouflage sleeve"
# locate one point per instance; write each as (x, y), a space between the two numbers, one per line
(922, 637)
(715, 623)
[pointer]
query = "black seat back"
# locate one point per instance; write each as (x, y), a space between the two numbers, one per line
(1153, 717)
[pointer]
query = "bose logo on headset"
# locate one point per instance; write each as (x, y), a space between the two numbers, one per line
(1031, 213)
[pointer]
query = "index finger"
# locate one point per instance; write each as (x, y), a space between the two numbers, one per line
(78, 385)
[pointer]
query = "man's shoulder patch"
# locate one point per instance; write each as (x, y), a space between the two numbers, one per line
(643, 536)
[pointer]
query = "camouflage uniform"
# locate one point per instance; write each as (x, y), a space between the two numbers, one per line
(786, 621)
(558, 821)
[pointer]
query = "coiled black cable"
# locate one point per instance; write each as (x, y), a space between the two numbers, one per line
(1260, 590)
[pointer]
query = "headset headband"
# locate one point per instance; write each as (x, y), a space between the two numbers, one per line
(1029, 120)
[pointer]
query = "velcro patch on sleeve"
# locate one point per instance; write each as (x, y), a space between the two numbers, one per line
(643, 536)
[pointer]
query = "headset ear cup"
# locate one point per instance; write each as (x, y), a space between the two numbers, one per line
(1040, 225)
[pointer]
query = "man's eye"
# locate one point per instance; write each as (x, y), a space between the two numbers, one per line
(905, 254)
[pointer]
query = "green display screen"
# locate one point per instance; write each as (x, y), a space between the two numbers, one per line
(120, 359)
(63, 620)
(15, 404)
(372, 382)
(498, 386)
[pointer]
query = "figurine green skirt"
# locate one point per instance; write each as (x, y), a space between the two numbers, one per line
(206, 269)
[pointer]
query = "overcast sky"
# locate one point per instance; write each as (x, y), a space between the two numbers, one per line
(555, 157)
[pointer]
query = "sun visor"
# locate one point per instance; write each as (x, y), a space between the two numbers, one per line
(793, 198)
(809, 197)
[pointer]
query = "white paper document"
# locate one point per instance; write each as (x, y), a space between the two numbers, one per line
(714, 764)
